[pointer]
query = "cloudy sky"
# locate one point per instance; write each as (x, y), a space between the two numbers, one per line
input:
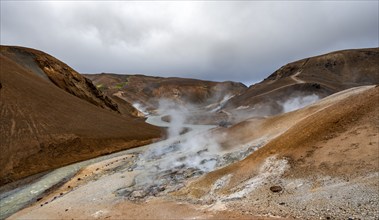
(215, 40)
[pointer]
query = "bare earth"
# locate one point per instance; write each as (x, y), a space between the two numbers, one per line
(320, 162)
(51, 116)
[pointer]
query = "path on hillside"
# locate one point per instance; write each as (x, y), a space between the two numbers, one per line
(294, 77)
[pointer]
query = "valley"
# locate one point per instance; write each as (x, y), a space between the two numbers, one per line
(303, 143)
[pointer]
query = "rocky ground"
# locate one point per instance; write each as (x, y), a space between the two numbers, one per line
(320, 162)
(104, 190)
(107, 190)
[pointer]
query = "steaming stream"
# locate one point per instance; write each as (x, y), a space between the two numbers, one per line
(160, 167)
(16, 199)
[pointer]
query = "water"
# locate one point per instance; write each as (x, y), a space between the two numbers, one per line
(15, 200)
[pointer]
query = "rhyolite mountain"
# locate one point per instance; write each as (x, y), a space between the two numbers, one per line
(52, 116)
(320, 161)
(320, 75)
(149, 90)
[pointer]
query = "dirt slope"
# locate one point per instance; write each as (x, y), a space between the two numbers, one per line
(147, 90)
(44, 125)
(59, 73)
(324, 158)
(320, 162)
(321, 75)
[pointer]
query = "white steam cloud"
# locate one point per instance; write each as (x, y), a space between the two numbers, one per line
(195, 151)
(140, 108)
(169, 163)
(298, 102)
(222, 103)
(177, 116)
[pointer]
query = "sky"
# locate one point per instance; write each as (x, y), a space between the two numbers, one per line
(241, 41)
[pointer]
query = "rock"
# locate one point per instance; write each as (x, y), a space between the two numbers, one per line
(155, 190)
(139, 194)
(123, 192)
(224, 124)
(276, 188)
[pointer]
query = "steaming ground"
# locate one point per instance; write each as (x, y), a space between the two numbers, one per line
(262, 167)
(151, 173)
(298, 102)
(141, 108)
(166, 167)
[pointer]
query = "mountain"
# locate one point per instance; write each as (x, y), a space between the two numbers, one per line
(321, 160)
(297, 84)
(319, 76)
(317, 162)
(147, 91)
(52, 116)
(278, 160)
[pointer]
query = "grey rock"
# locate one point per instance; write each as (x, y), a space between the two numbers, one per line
(138, 194)
(276, 188)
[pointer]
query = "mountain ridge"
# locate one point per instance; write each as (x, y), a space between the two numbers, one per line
(44, 126)
(321, 75)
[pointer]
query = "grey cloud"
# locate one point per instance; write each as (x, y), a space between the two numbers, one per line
(242, 41)
(116, 24)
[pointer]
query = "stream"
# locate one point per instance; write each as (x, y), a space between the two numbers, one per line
(23, 196)
(166, 166)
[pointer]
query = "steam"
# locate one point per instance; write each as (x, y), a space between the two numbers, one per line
(222, 103)
(167, 164)
(195, 151)
(178, 116)
(298, 102)
(272, 107)
(140, 108)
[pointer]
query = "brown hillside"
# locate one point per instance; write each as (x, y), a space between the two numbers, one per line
(320, 162)
(336, 137)
(46, 125)
(59, 73)
(147, 90)
(321, 75)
